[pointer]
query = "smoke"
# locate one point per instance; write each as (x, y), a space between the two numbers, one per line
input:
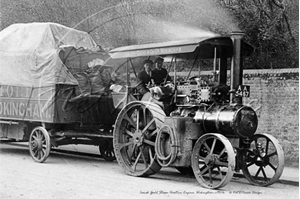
(159, 30)
(184, 19)
(141, 21)
(206, 14)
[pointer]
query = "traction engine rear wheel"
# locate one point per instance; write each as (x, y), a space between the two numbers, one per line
(39, 144)
(213, 161)
(263, 162)
(135, 133)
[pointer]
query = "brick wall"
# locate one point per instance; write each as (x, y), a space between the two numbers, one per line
(275, 97)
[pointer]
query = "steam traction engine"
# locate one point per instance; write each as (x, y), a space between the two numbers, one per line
(199, 127)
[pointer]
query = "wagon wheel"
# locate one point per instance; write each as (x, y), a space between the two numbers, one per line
(213, 160)
(106, 149)
(263, 162)
(39, 144)
(135, 132)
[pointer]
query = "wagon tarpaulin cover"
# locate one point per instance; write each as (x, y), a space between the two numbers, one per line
(29, 53)
(38, 64)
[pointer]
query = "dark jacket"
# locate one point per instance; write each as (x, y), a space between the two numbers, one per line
(144, 77)
(160, 75)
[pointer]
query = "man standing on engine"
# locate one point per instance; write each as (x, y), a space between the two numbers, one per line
(159, 74)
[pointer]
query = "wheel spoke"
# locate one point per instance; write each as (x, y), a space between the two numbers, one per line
(220, 172)
(125, 144)
(258, 171)
(267, 146)
(149, 142)
(206, 146)
(272, 154)
(143, 156)
(39, 134)
(138, 119)
(34, 137)
(264, 173)
(136, 161)
(42, 153)
(272, 166)
(35, 152)
(220, 154)
(210, 175)
(144, 116)
(150, 155)
(133, 151)
(213, 146)
(205, 170)
(44, 147)
(148, 125)
(38, 154)
(129, 133)
(219, 163)
(153, 133)
(129, 120)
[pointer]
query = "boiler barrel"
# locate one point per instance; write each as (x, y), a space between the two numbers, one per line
(231, 121)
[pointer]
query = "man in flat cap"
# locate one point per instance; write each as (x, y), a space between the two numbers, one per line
(145, 75)
(159, 74)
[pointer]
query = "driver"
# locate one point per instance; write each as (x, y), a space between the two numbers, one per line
(146, 75)
(159, 74)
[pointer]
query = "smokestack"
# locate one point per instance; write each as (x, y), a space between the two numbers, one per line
(236, 72)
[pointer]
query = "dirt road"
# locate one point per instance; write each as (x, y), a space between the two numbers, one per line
(65, 176)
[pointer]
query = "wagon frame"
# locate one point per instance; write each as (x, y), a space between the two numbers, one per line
(42, 95)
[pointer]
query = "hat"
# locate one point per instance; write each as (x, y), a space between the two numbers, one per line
(158, 59)
(147, 61)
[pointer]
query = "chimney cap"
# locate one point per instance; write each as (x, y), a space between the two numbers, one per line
(237, 34)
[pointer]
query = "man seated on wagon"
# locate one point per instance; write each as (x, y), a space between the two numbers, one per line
(160, 74)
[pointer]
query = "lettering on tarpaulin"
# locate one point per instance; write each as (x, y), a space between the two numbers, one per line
(14, 91)
(8, 91)
(20, 109)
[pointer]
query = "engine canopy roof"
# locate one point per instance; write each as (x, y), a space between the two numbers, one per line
(202, 48)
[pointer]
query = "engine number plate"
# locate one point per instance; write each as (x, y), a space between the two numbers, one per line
(242, 91)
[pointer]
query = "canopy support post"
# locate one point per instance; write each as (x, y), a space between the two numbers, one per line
(215, 65)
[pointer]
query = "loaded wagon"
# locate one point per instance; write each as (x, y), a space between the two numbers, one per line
(198, 124)
(55, 89)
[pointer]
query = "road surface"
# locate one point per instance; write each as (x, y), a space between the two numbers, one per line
(65, 176)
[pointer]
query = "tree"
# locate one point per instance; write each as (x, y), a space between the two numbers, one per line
(271, 26)
(268, 26)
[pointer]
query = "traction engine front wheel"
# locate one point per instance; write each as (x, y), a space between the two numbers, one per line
(263, 162)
